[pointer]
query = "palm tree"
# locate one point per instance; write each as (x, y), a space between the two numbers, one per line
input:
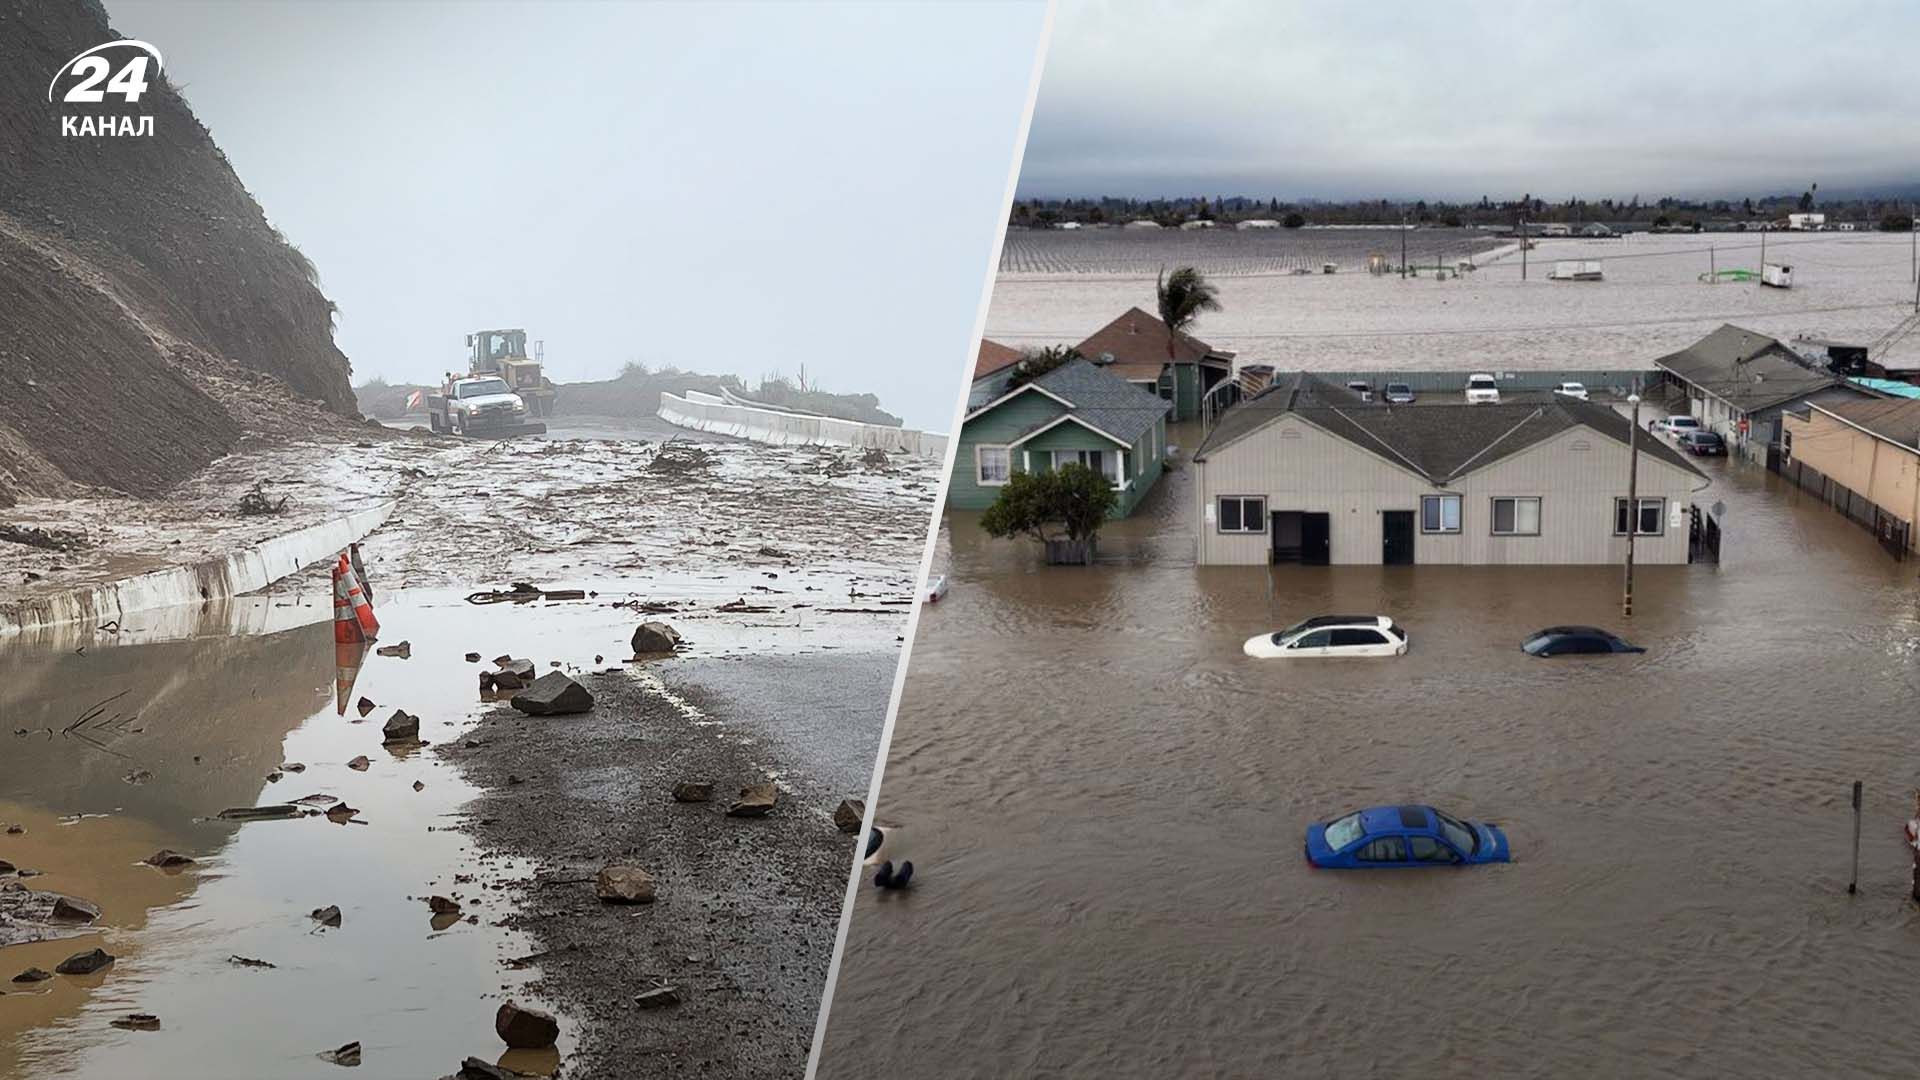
(1183, 295)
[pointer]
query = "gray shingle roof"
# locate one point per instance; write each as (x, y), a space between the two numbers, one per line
(1746, 369)
(1104, 400)
(1438, 441)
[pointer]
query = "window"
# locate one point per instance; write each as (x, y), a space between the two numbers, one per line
(1344, 832)
(1440, 513)
(1105, 462)
(992, 464)
(1243, 514)
(1358, 637)
(1462, 837)
(1316, 639)
(1653, 514)
(1385, 849)
(1427, 849)
(1519, 516)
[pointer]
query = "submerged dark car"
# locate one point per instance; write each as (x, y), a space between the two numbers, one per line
(1703, 443)
(1574, 641)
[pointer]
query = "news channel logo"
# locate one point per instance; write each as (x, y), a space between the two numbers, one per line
(106, 82)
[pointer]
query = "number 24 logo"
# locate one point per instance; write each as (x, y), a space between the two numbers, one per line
(92, 70)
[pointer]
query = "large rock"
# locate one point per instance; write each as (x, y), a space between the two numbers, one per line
(654, 637)
(520, 669)
(849, 814)
(401, 727)
(85, 963)
(622, 884)
(348, 1055)
(553, 694)
(692, 791)
(525, 1029)
(756, 800)
(167, 858)
(72, 909)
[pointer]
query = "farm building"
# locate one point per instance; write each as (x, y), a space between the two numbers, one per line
(1737, 382)
(1305, 473)
(1079, 412)
(1134, 347)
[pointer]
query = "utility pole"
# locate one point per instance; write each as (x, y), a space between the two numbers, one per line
(1713, 267)
(1914, 243)
(1523, 247)
(1403, 245)
(1633, 500)
(1763, 252)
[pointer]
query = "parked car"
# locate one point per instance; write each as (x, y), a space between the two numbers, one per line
(1382, 837)
(1330, 636)
(1482, 389)
(1363, 389)
(1572, 390)
(1398, 393)
(1575, 640)
(1703, 443)
(1674, 426)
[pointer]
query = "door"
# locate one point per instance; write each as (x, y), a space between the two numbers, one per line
(1316, 539)
(1396, 538)
(1312, 644)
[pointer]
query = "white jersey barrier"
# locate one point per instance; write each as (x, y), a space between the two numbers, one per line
(253, 567)
(706, 412)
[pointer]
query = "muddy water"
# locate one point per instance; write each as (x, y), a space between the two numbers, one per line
(1107, 800)
(197, 708)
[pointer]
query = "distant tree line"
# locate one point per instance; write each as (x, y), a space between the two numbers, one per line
(1665, 212)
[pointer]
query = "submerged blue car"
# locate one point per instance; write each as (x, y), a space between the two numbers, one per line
(1397, 836)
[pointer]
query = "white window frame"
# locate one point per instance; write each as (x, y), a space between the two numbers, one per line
(1660, 517)
(1459, 515)
(1493, 514)
(979, 462)
(1260, 519)
(1078, 457)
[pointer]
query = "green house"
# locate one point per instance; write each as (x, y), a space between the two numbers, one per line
(1134, 347)
(1077, 412)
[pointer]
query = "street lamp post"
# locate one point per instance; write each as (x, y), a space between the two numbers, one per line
(1633, 500)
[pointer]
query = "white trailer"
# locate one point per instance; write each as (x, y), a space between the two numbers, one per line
(1778, 275)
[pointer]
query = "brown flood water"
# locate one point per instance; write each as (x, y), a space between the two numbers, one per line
(1105, 802)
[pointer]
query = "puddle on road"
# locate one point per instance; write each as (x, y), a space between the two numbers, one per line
(196, 727)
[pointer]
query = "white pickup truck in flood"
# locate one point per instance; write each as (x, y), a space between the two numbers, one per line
(481, 405)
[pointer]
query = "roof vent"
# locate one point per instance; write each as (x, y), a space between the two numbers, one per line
(1105, 358)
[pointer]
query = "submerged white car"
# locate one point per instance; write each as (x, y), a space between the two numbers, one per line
(1330, 636)
(1482, 389)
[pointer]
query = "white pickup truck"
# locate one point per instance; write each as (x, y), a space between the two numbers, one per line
(481, 405)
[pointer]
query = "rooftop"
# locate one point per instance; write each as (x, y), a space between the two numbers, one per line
(1096, 397)
(993, 357)
(1137, 342)
(1896, 420)
(1746, 369)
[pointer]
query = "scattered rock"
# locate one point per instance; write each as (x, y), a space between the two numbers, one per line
(658, 998)
(259, 813)
(553, 694)
(16, 830)
(692, 791)
(84, 963)
(359, 764)
(419, 786)
(525, 1029)
(756, 800)
(404, 650)
(326, 916)
(348, 1055)
(316, 799)
(475, 1069)
(401, 727)
(849, 814)
(654, 638)
(138, 776)
(619, 883)
(340, 813)
(273, 777)
(502, 660)
(515, 779)
(366, 706)
(72, 909)
(473, 658)
(443, 906)
(33, 975)
(137, 1022)
(520, 669)
(247, 961)
(503, 680)
(167, 857)
(294, 766)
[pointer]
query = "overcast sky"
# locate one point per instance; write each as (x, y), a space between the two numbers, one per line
(730, 187)
(1461, 99)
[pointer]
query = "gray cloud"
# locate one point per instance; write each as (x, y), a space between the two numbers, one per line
(1474, 98)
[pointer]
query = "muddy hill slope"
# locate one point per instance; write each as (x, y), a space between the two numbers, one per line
(150, 317)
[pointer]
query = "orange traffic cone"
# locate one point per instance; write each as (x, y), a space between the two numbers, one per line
(346, 627)
(357, 598)
(347, 658)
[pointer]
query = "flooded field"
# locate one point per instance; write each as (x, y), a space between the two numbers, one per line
(788, 572)
(1106, 802)
(1229, 252)
(1651, 302)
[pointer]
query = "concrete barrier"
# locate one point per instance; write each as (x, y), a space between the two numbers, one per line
(254, 567)
(704, 412)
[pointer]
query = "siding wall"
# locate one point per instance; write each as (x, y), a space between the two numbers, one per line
(998, 427)
(1576, 475)
(1887, 475)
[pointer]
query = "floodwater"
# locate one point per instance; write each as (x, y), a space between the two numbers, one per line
(1107, 802)
(764, 559)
